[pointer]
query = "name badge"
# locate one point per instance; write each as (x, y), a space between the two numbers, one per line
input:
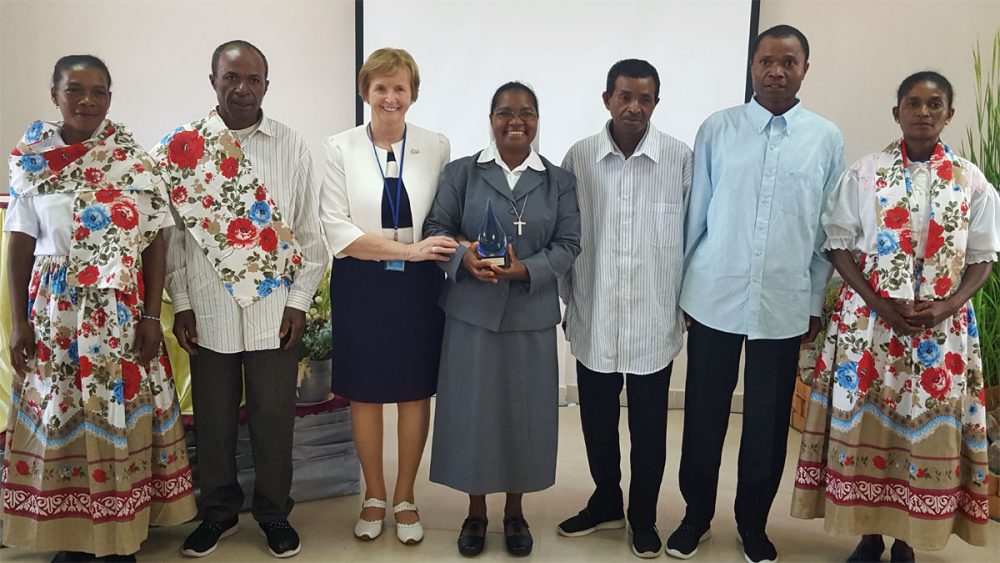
(395, 265)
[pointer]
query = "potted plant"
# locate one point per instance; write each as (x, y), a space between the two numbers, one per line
(315, 350)
(983, 149)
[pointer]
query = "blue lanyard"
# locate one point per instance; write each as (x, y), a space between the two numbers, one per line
(393, 203)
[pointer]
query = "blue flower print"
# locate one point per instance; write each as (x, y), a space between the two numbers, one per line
(229, 287)
(95, 350)
(286, 281)
(58, 281)
(266, 286)
(95, 217)
(31, 305)
(973, 409)
(260, 213)
(887, 243)
(913, 470)
(12, 192)
(120, 392)
(847, 375)
(124, 316)
(929, 353)
(33, 132)
(973, 327)
(164, 457)
(284, 246)
(883, 201)
(74, 297)
(74, 352)
(33, 163)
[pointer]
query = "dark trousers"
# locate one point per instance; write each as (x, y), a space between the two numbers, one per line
(647, 424)
(768, 383)
(217, 383)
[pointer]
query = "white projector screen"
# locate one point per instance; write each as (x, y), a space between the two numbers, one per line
(563, 49)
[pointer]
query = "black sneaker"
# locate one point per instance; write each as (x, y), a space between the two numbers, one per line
(73, 557)
(646, 543)
(119, 558)
(584, 523)
(206, 536)
(683, 543)
(282, 540)
(757, 548)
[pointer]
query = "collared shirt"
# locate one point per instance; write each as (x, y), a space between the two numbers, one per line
(753, 259)
(281, 160)
(491, 153)
(621, 295)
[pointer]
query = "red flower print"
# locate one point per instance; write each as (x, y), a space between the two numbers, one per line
(241, 233)
(93, 175)
(296, 259)
(81, 233)
(86, 366)
(43, 351)
(896, 217)
(62, 157)
(879, 462)
(99, 475)
(186, 149)
(179, 195)
(906, 241)
(820, 365)
(941, 286)
(208, 177)
(119, 154)
(908, 386)
(165, 364)
(128, 261)
(958, 470)
(106, 195)
(261, 193)
(935, 238)
(937, 383)
(138, 168)
(964, 207)
(954, 363)
(921, 473)
(945, 171)
(76, 472)
(205, 224)
(881, 183)
(22, 467)
(268, 240)
(229, 167)
(124, 214)
(63, 342)
(113, 343)
(130, 373)
(866, 371)
(89, 275)
(206, 201)
(896, 347)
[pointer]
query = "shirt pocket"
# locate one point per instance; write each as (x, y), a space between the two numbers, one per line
(801, 194)
(667, 225)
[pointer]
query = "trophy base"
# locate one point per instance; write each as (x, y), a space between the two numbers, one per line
(498, 261)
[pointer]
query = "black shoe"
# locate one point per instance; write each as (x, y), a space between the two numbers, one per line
(119, 558)
(73, 557)
(901, 552)
(205, 538)
(868, 551)
(472, 538)
(757, 548)
(585, 523)
(282, 540)
(646, 543)
(518, 540)
(683, 543)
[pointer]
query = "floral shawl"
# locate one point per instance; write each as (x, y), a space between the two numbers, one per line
(119, 199)
(899, 273)
(227, 209)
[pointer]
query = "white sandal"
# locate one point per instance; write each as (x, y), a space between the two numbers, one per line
(409, 534)
(370, 529)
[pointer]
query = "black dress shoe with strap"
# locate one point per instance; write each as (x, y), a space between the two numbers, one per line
(472, 538)
(517, 536)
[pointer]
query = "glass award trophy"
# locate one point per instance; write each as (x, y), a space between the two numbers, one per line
(492, 239)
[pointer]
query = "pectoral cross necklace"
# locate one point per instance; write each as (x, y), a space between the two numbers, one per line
(520, 223)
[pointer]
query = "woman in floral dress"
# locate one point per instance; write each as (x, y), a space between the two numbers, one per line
(895, 439)
(95, 451)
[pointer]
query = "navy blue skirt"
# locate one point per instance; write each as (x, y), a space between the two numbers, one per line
(387, 330)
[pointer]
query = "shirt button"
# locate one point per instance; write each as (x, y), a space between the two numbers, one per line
(773, 147)
(769, 173)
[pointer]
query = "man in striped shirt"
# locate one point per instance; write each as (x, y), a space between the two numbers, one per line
(622, 316)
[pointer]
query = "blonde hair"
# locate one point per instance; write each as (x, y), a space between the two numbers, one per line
(387, 61)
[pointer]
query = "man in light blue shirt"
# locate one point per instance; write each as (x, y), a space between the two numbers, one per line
(754, 276)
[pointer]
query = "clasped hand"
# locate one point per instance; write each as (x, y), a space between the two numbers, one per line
(487, 272)
(909, 319)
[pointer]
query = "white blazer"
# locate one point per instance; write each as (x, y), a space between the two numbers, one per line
(350, 202)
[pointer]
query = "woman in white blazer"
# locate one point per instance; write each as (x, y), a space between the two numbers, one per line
(380, 181)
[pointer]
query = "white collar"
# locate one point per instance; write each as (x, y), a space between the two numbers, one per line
(491, 153)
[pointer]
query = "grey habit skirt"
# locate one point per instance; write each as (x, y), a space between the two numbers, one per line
(496, 418)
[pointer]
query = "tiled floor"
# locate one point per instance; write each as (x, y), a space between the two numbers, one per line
(326, 526)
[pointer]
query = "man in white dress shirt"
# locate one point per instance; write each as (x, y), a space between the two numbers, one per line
(241, 282)
(622, 315)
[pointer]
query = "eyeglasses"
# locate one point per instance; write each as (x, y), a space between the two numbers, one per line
(524, 114)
